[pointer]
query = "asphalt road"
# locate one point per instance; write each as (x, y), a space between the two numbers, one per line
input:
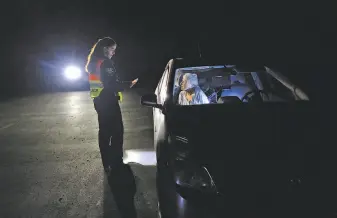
(50, 165)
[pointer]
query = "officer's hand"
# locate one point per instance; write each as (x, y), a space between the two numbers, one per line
(133, 82)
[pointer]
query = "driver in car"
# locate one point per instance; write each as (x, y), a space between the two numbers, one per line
(191, 93)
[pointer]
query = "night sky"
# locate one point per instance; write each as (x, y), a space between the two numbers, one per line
(287, 35)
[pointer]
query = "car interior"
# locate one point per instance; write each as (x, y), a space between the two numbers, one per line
(223, 84)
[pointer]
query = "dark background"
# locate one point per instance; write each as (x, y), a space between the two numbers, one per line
(298, 38)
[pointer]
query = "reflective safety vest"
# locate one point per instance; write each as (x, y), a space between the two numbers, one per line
(96, 86)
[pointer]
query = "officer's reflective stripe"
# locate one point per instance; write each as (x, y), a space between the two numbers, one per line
(95, 81)
(95, 84)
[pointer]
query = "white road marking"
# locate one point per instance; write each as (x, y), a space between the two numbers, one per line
(6, 126)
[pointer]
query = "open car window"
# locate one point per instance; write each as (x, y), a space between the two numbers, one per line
(226, 84)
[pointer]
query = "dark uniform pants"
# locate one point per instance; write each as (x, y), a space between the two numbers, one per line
(111, 131)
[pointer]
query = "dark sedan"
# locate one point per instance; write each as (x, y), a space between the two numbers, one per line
(238, 141)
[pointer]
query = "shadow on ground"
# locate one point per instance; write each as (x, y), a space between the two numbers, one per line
(122, 185)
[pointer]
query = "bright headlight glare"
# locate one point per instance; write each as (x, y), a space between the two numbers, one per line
(72, 72)
(197, 178)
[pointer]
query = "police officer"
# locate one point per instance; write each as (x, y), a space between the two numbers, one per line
(104, 87)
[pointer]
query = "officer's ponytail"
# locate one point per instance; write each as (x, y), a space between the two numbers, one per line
(97, 52)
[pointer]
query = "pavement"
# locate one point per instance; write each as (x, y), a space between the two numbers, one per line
(50, 165)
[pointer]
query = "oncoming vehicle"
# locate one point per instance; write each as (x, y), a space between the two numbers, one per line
(234, 140)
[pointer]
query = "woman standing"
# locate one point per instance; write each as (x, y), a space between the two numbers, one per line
(104, 88)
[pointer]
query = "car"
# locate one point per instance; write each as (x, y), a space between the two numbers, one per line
(237, 140)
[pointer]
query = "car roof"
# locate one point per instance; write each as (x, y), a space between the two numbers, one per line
(182, 63)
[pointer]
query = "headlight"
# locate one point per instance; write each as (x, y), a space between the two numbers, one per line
(196, 178)
(72, 73)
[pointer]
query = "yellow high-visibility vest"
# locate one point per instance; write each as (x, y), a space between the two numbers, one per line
(96, 85)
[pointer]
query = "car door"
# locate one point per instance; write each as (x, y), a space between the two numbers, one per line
(158, 116)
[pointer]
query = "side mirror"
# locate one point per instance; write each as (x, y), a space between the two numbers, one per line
(150, 100)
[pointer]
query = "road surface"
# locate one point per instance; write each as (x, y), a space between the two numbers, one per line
(50, 165)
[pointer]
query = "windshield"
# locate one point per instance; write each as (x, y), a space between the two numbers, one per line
(226, 84)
